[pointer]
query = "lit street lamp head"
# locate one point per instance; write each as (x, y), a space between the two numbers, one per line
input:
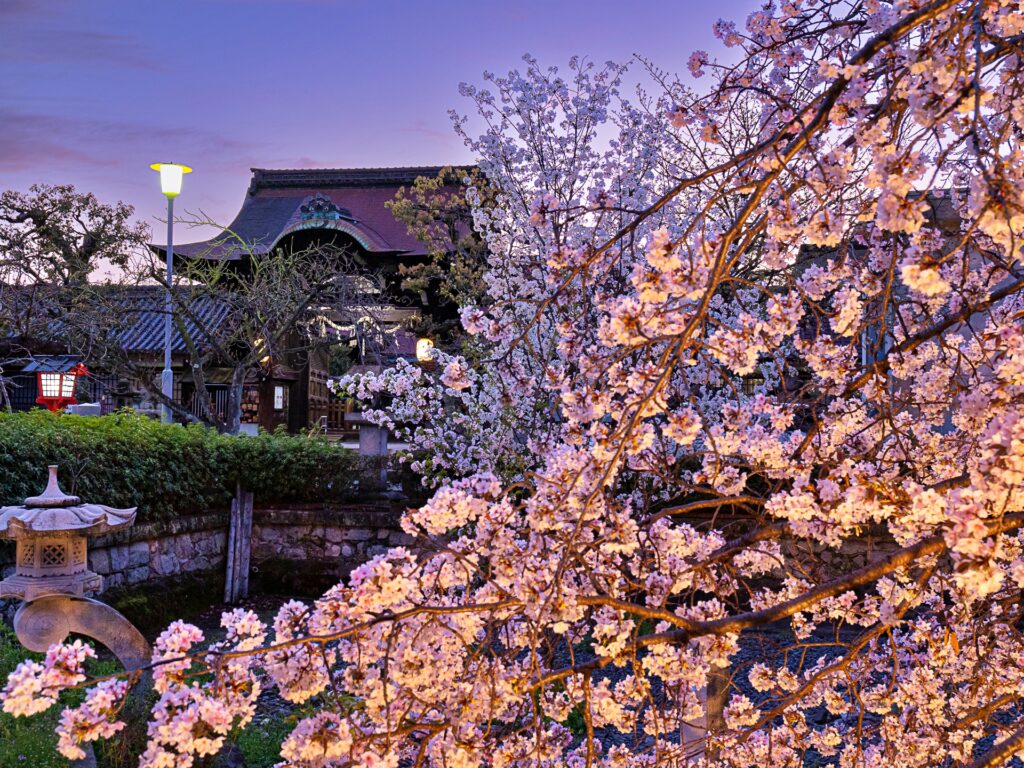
(170, 177)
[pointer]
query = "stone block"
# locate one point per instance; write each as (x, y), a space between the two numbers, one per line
(183, 548)
(382, 534)
(272, 535)
(359, 534)
(209, 543)
(332, 550)
(137, 575)
(376, 549)
(118, 558)
(113, 580)
(166, 564)
(347, 550)
(400, 539)
(282, 539)
(138, 554)
(334, 535)
(99, 561)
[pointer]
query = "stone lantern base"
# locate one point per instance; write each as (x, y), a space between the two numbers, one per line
(28, 588)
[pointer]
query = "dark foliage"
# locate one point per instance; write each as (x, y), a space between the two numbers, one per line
(126, 460)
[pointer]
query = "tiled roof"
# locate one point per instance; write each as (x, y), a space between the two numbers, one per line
(52, 363)
(273, 206)
(263, 178)
(139, 310)
(143, 315)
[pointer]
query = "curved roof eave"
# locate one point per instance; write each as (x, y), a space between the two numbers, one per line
(367, 240)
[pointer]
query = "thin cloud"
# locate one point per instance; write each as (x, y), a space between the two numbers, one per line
(429, 130)
(27, 139)
(77, 45)
(19, 9)
(32, 140)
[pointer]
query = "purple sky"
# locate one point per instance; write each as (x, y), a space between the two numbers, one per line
(92, 92)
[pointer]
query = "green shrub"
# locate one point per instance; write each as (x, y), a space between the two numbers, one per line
(127, 460)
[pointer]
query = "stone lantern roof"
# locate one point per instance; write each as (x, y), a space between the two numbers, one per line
(54, 512)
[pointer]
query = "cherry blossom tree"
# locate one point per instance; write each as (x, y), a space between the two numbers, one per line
(768, 354)
(533, 163)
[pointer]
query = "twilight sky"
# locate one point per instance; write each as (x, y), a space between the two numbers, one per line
(93, 91)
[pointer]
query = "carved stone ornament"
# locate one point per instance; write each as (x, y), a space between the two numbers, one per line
(53, 578)
(51, 531)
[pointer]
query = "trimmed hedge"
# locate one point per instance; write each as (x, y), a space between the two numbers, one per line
(127, 460)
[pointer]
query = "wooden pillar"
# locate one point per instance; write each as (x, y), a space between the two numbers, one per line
(236, 576)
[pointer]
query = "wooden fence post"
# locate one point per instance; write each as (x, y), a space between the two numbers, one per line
(239, 546)
(245, 550)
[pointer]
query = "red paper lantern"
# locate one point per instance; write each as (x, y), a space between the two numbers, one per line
(57, 388)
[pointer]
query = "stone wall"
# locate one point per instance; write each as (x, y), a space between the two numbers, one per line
(193, 544)
(295, 550)
(290, 546)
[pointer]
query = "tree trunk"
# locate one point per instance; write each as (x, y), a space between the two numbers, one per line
(233, 418)
(5, 398)
(202, 397)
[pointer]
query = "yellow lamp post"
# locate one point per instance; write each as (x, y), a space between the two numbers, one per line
(171, 175)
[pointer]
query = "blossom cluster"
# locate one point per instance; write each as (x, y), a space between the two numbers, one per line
(735, 473)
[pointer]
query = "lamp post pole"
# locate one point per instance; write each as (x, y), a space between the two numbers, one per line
(170, 184)
(167, 377)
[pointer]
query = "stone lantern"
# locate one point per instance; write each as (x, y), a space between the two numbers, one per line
(51, 531)
(53, 579)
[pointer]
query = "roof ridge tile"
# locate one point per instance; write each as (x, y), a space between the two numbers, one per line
(312, 177)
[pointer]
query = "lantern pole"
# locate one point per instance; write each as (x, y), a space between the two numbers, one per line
(170, 184)
(167, 377)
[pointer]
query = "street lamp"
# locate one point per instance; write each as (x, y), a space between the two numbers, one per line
(170, 184)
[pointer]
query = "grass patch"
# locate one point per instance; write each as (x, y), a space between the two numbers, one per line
(32, 743)
(261, 742)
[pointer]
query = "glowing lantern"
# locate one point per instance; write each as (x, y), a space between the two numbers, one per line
(171, 177)
(424, 350)
(57, 378)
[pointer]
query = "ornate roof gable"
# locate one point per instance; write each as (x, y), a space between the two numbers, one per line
(319, 207)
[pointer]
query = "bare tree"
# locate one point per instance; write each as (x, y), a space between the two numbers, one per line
(238, 317)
